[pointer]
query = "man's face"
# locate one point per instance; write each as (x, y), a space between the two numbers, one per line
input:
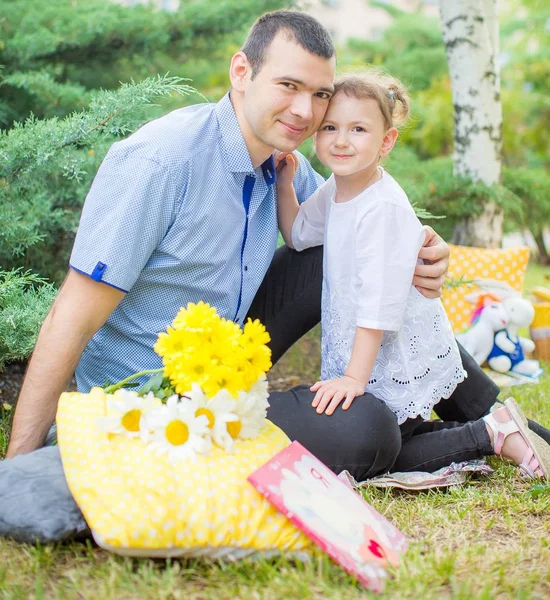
(287, 99)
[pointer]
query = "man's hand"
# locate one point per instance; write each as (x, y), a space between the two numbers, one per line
(330, 393)
(286, 165)
(429, 277)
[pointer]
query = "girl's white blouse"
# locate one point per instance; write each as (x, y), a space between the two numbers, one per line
(371, 246)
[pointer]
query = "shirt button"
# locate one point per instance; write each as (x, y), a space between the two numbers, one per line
(245, 268)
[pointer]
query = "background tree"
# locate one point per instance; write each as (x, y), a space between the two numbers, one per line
(471, 37)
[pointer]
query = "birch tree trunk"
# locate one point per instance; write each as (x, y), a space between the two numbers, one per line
(470, 34)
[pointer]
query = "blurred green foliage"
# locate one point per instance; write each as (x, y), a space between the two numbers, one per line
(57, 126)
(52, 54)
(411, 48)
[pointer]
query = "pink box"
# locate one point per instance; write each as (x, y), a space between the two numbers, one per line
(333, 515)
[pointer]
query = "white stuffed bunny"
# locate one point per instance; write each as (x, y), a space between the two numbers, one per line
(508, 350)
(489, 317)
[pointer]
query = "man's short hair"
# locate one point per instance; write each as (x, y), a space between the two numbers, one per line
(300, 27)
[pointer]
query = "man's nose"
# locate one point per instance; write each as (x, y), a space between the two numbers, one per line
(302, 107)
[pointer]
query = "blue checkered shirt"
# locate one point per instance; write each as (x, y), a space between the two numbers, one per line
(176, 214)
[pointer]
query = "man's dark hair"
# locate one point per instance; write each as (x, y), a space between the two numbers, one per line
(300, 27)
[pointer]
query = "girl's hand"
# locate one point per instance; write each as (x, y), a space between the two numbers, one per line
(330, 393)
(286, 165)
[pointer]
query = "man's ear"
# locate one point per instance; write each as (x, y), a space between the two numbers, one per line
(239, 71)
(389, 141)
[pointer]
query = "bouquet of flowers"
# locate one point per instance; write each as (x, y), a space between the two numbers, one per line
(211, 390)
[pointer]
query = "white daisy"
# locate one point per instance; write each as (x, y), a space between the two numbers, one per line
(251, 412)
(219, 410)
(177, 431)
(260, 392)
(126, 411)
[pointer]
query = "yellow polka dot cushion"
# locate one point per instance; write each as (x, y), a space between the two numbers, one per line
(139, 502)
(466, 263)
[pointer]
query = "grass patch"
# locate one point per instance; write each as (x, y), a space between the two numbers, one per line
(536, 275)
(487, 539)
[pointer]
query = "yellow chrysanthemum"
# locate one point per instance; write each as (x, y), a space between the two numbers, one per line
(172, 343)
(198, 364)
(202, 348)
(228, 333)
(198, 317)
(260, 359)
(254, 334)
(223, 377)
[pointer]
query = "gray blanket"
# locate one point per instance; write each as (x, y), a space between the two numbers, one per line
(35, 501)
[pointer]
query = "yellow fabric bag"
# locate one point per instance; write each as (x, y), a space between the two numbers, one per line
(140, 504)
(469, 263)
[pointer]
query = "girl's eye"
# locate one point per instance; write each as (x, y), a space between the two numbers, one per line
(328, 128)
(358, 129)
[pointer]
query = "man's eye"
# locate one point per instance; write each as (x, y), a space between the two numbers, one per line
(288, 85)
(323, 95)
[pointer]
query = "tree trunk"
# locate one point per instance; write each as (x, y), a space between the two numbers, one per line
(544, 257)
(470, 34)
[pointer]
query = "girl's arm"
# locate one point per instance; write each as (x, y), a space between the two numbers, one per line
(332, 392)
(365, 350)
(389, 236)
(302, 225)
(287, 202)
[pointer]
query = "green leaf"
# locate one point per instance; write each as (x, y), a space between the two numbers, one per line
(153, 384)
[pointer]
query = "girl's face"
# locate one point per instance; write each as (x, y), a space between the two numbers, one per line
(353, 136)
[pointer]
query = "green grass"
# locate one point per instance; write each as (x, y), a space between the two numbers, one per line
(536, 275)
(487, 539)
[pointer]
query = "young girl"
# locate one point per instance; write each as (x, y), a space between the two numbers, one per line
(379, 334)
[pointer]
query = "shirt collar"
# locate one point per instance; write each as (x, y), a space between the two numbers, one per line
(237, 157)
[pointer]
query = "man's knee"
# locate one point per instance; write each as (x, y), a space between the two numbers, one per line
(371, 440)
(364, 440)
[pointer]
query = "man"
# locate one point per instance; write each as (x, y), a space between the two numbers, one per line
(185, 210)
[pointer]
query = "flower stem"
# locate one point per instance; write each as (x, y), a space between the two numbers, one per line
(116, 386)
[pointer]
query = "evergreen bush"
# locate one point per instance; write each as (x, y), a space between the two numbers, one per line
(24, 302)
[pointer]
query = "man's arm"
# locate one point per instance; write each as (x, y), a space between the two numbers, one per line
(429, 277)
(82, 306)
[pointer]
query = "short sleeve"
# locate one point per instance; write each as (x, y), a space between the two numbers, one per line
(306, 180)
(389, 237)
(127, 212)
(308, 228)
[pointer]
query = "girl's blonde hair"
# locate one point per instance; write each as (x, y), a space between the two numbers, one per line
(390, 94)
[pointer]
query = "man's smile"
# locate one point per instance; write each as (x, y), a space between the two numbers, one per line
(292, 129)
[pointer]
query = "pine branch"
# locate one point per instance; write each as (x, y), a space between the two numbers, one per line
(27, 147)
